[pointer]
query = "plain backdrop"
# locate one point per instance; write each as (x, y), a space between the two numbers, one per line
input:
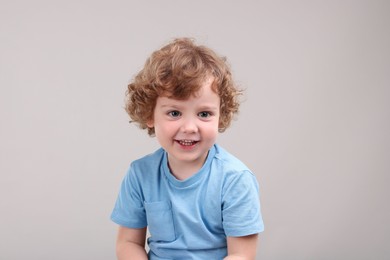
(314, 125)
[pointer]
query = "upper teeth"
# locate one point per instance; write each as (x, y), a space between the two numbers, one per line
(186, 142)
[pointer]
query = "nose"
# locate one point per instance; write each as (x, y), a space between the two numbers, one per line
(189, 125)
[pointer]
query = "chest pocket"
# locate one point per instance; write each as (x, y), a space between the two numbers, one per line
(160, 221)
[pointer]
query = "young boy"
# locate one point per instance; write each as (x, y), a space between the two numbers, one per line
(197, 200)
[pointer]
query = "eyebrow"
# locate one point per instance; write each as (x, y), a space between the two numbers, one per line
(170, 106)
(203, 107)
(212, 108)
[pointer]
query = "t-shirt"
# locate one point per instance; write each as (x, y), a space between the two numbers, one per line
(191, 218)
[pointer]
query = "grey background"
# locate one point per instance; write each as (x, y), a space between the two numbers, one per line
(314, 126)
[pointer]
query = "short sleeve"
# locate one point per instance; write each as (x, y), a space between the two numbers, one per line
(129, 209)
(241, 215)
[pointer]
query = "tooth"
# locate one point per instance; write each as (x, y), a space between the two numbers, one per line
(186, 142)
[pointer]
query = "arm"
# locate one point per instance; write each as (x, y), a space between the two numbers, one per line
(130, 243)
(242, 248)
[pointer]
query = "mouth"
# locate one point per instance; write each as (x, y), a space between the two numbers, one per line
(187, 143)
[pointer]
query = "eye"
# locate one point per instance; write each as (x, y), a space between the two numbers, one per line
(174, 113)
(204, 114)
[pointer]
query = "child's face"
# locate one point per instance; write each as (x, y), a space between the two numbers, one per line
(187, 129)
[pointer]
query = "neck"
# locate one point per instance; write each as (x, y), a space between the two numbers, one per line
(184, 170)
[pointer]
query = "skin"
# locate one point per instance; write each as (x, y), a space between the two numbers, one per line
(242, 248)
(130, 244)
(186, 129)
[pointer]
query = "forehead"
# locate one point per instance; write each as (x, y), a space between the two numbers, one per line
(184, 88)
(205, 95)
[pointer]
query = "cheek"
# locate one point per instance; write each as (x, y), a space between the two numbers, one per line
(211, 130)
(166, 128)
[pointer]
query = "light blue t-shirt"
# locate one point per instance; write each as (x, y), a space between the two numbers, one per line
(190, 219)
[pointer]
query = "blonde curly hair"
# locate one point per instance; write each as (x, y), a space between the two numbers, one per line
(177, 71)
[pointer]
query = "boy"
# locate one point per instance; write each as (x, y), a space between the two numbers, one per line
(197, 200)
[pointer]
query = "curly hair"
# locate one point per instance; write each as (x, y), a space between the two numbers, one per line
(177, 71)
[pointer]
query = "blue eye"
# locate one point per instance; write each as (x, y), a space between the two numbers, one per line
(204, 114)
(174, 113)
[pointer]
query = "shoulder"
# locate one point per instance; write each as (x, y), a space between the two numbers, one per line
(152, 160)
(145, 167)
(232, 169)
(228, 162)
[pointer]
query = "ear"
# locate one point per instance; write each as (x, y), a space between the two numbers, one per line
(150, 123)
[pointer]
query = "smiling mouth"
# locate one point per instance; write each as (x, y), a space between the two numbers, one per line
(187, 142)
